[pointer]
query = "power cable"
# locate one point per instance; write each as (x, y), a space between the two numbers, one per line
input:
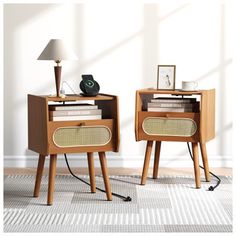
(126, 199)
(211, 188)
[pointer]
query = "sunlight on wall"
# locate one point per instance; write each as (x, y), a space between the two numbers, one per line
(25, 37)
(113, 39)
(121, 44)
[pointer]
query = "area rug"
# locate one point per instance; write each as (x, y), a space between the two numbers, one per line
(168, 204)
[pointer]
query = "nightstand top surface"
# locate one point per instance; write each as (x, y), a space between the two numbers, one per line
(174, 92)
(76, 97)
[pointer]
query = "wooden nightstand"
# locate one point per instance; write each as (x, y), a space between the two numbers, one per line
(203, 123)
(48, 137)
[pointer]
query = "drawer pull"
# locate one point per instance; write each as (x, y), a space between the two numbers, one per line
(82, 124)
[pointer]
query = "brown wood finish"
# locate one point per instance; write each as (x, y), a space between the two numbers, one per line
(39, 174)
(117, 121)
(77, 98)
(141, 104)
(51, 178)
(205, 161)
(138, 108)
(103, 162)
(205, 121)
(91, 172)
(38, 119)
(146, 162)
(110, 110)
(156, 159)
(207, 111)
(57, 72)
(40, 135)
(171, 92)
(196, 165)
(37, 124)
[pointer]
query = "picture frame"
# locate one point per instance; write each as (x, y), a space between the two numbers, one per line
(166, 77)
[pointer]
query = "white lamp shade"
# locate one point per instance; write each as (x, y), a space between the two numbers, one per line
(57, 50)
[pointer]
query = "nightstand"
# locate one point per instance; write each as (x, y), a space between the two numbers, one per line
(170, 126)
(48, 137)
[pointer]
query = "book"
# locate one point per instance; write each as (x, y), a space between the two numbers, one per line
(170, 109)
(168, 104)
(67, 118)
(173, 100)
(66, 107)
(75, 112)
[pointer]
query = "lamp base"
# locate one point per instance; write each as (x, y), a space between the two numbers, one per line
(57, 71)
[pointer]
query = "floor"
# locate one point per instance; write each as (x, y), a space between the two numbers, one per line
(120, 171)
(168, 204)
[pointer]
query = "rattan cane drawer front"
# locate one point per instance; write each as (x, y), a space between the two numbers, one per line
(81, 136)
(183, 127)
(169, 126)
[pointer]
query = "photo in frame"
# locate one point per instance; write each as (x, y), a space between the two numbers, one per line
(166, 77)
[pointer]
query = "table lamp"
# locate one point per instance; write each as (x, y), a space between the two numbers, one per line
(57, 51)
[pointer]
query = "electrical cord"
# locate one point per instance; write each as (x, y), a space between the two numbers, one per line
(63, 90)
(126, 199)
(211, 188)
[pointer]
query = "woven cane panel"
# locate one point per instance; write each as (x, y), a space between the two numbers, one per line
(82, 136)
(169, 126)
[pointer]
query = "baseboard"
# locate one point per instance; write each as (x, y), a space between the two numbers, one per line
(116, 161)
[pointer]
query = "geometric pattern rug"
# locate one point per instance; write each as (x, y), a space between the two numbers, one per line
(166, 204)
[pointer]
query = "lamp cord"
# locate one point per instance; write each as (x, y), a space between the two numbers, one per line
(126, 199)
(211, 188)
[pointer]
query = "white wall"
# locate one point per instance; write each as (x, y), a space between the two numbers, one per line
(120, 43)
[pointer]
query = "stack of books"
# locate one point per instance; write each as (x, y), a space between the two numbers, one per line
(74, 112)
(163, 104)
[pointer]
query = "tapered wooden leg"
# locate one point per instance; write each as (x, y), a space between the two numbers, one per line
(146, 162)
(51, 180)
(196, 165)
(39, 175)
(156, 159)
(205, 161)
(103, 162)
(91, 172)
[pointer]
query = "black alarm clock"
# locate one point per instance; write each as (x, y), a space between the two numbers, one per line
(89, 86)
